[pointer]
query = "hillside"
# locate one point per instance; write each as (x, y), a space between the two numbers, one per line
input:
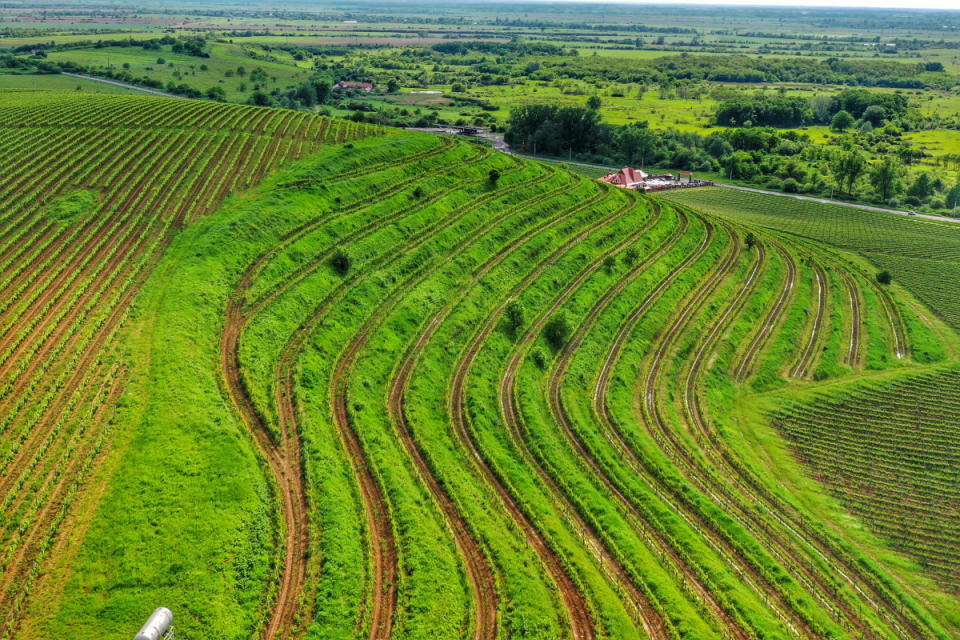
(410, 387)
(94, 189)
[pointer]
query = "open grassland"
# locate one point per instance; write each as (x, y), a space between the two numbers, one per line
(218, 70)
(94, 190)
(410, 387)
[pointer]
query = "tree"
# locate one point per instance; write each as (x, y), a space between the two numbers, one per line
(842, 120)
(884, 277)
(557, 330)
(260, 99)
(847, 167)
(514, 316)
(392, 85)
(875, 114)
(953, 196)
(340, 261)
(593, 103)
(750, 240)
(636, 144)
(885, 177)
(216, 93)
(922, 187)
(494, 176)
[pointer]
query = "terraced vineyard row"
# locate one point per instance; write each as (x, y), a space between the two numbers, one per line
(412, 387)
(922, 255)
(94, 189)
(433, 404)
(889, 449)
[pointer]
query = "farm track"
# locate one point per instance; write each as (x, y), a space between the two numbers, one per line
(285, 457)
(652, 408)
(438, 318)
(651, 534)
(755, 492)
(646, 613)
(772, 319)
(690, 513)
(340, 380)
(74, 285)
(808, 355)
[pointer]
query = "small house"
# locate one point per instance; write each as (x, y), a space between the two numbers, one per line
(628, 178)
(344, 85)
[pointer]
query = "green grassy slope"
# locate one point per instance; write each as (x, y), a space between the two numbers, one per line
(385, 395)
(922, 255)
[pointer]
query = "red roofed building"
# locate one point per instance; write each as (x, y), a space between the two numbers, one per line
(363, 86)
(628, 178)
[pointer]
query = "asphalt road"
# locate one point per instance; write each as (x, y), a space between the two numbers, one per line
(123, 84)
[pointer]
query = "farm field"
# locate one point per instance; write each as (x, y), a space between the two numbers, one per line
(59, 83)
(921, 255)
(389, 384)
(95, 188)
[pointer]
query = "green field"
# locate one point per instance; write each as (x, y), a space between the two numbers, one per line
(921, 255)
(326, 380)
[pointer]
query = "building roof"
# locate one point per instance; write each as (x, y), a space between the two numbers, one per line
(626, 177)
(360, 85)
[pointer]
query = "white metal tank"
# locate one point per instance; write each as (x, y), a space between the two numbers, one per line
(157, 624)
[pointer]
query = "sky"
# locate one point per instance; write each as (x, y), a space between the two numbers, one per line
(889, 4)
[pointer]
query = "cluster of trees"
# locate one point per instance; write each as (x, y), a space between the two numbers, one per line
(554, 130)
(687, 67)
(842, 110)
(865, 165)
(187, 45)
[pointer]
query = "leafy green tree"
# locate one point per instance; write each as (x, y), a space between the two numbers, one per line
(884, 277)
(953, 196)
(875, 114)
(340, 261)
(842, 120)
(885, 177)
(557, 330)
(216, 93)
(922, 187)
(494, 176)
(847, 167)
(514, 315)
(593, 103)
(637, 144)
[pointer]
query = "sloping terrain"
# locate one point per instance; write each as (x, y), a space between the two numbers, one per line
(94, 188)
(414, 388)
(891, 450)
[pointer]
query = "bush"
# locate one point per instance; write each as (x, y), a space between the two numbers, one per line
(340, 261)
(514, 316)
(539, 359)
(557, 330)
(884, 277)
(790, 185)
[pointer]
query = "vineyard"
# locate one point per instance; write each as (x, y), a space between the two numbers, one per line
(94, 188)
(923, 255)
(890, 450)
(410, 387)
